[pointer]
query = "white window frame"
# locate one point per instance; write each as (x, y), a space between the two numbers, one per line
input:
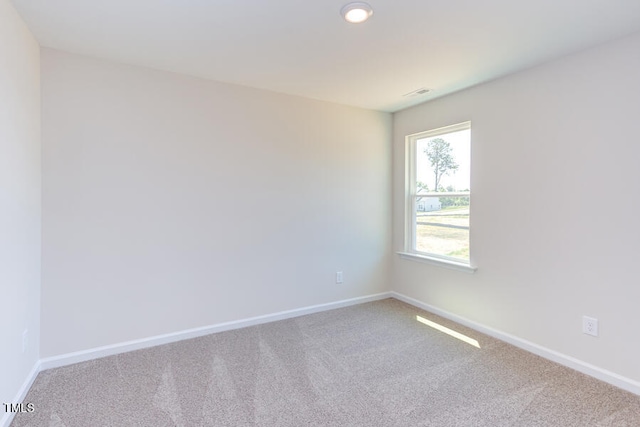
(409, 252)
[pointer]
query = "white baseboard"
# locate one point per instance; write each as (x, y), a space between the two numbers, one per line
(109, 350)
(7, 417)
(562, 359)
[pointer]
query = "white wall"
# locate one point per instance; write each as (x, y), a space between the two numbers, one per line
(171, 202)
(546, 144)
(19, 201)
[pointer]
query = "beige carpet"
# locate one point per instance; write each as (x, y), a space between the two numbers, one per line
(368, 365)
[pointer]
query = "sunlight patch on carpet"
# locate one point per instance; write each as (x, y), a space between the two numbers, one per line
(448, 331)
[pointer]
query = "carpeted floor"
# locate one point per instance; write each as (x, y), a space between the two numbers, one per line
(367, 365)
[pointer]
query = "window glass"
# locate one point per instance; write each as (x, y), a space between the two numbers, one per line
(440, 192)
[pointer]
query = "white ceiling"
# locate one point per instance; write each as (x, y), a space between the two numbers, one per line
(304, 47)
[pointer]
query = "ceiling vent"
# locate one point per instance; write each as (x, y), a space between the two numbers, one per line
(417, 92)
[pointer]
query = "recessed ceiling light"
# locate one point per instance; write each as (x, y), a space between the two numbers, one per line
(356, 12)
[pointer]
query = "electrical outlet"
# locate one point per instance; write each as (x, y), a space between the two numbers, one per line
(590, 325)
(339, 278)
(25, 340)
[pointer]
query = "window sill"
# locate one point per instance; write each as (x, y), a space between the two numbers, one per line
(452, 265)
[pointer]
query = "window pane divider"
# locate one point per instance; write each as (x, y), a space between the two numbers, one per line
(443, 194)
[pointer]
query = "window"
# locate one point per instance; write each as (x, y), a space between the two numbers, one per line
(439, 195)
